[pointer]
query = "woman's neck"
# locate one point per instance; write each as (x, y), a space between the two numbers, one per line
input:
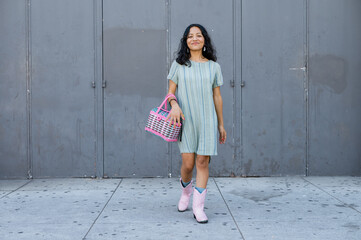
(197, 56)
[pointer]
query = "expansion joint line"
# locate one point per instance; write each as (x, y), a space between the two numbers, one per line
(229, 210)
(17, 188)
(106, 204)
(345, 204)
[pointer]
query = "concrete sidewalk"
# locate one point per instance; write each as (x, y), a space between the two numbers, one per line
(237, 208)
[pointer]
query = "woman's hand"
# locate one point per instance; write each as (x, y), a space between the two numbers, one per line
(222, 134)
(175, 114)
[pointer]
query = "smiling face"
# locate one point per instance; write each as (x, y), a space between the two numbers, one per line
(195, 39)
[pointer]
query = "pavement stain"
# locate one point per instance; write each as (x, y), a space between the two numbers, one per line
(257, 196)
(352, 226)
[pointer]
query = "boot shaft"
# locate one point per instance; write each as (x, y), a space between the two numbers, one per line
(198, 206)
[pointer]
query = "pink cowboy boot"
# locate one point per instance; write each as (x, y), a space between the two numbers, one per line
(198, 206)
(186, 195)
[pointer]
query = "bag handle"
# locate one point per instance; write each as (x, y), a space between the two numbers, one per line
(165, 101)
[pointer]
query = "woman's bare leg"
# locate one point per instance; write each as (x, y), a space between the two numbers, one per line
(202, 165)
(188, 160)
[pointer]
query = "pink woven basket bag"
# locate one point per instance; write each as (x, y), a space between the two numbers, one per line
(158, 125)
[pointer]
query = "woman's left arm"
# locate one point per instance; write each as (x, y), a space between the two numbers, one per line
(218, 103)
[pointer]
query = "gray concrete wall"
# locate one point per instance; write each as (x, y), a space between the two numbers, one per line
(78, 78)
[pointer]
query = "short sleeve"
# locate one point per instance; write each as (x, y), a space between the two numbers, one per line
(218, 78)
(173, 72)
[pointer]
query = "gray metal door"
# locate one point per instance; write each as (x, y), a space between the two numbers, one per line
(135, 71)
(273, 99)
(218, 20)
(62, 109)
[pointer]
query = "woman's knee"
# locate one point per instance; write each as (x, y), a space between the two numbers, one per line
(188, 167)
(202, 161)
(188, 162)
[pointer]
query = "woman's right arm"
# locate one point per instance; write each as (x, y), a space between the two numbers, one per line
(176, 112)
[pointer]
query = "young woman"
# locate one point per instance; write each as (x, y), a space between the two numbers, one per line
(197, 77)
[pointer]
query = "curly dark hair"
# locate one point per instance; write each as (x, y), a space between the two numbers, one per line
(183, 53)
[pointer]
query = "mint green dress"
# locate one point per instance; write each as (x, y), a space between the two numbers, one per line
(195, 97)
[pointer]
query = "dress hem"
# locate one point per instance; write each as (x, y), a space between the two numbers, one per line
(214, 154)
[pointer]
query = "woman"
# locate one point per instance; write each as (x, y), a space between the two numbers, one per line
(197, 77)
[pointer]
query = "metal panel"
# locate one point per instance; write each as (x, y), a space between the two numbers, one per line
(13, 117)
(335, 87)
(217, 18)
(273, 103)
(63, 120)
(135, 70)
